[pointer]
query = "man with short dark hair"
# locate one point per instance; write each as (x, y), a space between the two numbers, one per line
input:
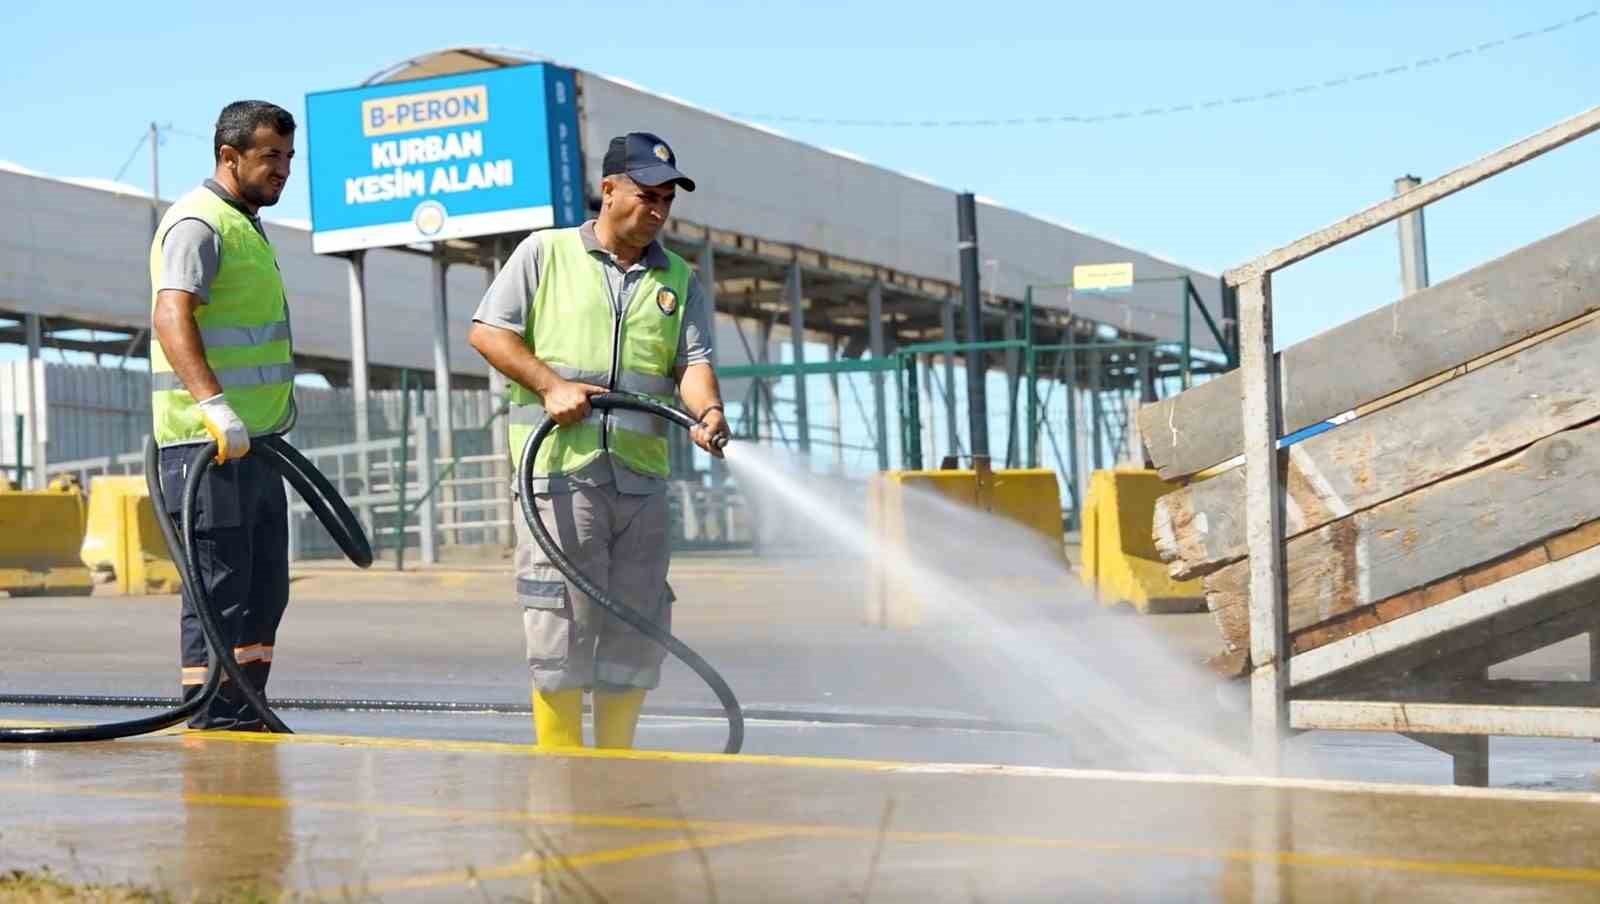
(222, 368)
(574, 312)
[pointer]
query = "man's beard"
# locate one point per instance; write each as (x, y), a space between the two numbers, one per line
(262, 196)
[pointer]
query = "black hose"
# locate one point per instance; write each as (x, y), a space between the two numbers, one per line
(330, 509)
(109, 731)
(625, 401)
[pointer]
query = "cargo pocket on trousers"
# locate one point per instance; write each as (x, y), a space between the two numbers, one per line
(216, 505)
(546, 617)
(542, 587)
(663, 613)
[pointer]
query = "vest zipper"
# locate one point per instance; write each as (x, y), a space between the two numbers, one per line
(616, 353)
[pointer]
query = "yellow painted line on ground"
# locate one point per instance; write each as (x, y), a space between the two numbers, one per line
(444, 814)
(506, 748)
(28, 723)
(743, 831)
(533, 866)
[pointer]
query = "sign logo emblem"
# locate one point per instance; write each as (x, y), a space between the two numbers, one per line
(662, 154)
(667, 301)
(429, 217)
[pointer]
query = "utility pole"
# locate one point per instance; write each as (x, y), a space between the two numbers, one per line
(155, 179)
(967, 246)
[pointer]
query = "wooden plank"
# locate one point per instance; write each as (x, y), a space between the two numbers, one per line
(1446, 718)
(1360, 621)
(1467, 650)
(1451, 526)
(1494, 692)
(1532, 289)
(1573, 542)
(1431, 625)
(1491, 412)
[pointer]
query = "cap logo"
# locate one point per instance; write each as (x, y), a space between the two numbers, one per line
(662, 153)
(667, 301)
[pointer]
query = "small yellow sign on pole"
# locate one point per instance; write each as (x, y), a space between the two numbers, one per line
(1102, 277)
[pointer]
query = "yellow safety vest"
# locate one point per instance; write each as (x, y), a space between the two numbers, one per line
(244, 326)
(576, 332)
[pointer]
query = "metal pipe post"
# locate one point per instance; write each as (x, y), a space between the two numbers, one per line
(911, 422)
(875, 343)
(927, 405)
(764, 402)
(1072, 434)
(1230, 322)
(836, 409)
(967, 245)
(1097, 362)
(499, 442)
(708, 285)
(426, 509)
(1147, 382)
(1269, 677)
(947, 322)
(1012, 376)
(1032, 366)
(1413, 242)
(441, 362)
(797, 338)
(356, 268)
(1188, 331)
(33, 325)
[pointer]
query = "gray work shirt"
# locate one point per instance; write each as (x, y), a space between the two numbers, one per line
(191, 250)
(509, 305)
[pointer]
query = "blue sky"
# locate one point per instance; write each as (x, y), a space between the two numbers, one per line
(1209, 188)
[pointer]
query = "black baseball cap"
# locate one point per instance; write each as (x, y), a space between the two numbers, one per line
(645, 159)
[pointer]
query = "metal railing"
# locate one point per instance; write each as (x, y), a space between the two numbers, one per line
(406, 497)
(85, 468)
(1262, 414)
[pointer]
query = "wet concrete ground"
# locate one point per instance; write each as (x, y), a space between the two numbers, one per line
(388, 819)
(414, 798)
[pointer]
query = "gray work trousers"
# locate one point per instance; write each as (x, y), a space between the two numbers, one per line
(619, 541)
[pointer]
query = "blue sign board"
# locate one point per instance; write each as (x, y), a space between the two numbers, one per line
(476, 153)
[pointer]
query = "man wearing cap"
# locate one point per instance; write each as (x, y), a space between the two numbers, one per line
(575, 312)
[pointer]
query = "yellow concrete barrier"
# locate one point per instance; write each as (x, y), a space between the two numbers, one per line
(40, 531)
(1026, 497)
(123, 543)
(1119, 551)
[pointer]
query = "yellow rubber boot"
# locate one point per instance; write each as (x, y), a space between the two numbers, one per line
(558, 717)
(616, 715)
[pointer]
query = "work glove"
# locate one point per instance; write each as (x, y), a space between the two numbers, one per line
(233, 438)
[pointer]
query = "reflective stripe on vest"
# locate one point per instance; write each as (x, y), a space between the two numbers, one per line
(234, 336)
(244, 326)
(575, 330)
(231, 377)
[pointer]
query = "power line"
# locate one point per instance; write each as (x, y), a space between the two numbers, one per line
(162, 131)
(1169, 110)
(143, 137)
(185, 133)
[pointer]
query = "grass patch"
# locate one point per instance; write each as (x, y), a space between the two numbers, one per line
(44, 887)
